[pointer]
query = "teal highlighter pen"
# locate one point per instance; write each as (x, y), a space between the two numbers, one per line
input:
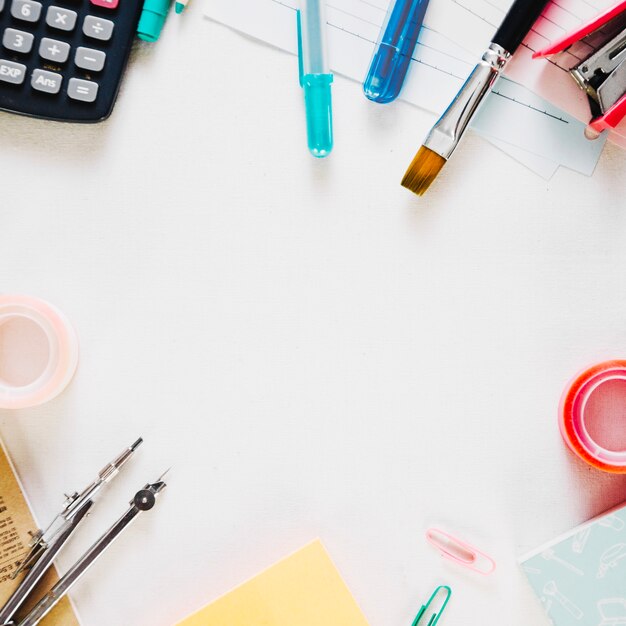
(315, 76)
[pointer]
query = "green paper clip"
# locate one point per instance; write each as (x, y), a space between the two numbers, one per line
(434, 618)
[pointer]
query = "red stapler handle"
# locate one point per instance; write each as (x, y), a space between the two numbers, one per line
(611, 118)
(582, 31)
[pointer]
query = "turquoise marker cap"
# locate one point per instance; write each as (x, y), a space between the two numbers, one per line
(315, 79)
(319, 116)
(152, 19)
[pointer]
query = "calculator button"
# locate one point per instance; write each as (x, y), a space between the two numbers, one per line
(53, 50)
(50, 82)
(88, 59)
(1, 5)
(97, 28)
(83, 90)
(105, 4)
(26, 10)
(61, 19)
(11, 72)
(17, 40)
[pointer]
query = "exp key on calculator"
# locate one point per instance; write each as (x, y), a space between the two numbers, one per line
(11, 72)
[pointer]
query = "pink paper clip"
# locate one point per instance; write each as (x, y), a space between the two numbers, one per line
(460, 552)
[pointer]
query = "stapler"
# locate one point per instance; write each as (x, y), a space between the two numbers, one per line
(598, 52)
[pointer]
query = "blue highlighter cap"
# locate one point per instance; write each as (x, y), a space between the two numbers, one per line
(394, 51)
(319, 117)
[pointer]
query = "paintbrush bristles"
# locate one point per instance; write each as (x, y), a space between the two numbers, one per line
(423, 170)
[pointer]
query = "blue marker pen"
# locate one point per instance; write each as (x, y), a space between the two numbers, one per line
(395, 48)
(315, 76)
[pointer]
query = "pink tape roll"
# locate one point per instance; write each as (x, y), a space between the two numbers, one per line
(62, 351)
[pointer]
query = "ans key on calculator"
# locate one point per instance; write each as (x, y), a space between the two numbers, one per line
(64, 59)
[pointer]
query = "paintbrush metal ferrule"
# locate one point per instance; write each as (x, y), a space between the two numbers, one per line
(447, 132)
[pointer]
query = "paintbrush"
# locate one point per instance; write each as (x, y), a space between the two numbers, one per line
(447, 132)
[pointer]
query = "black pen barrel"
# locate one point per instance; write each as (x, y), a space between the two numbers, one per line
(518, 22)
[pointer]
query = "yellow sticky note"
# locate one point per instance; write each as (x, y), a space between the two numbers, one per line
(305, 589)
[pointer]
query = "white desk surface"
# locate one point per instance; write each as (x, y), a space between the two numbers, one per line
(316, 351)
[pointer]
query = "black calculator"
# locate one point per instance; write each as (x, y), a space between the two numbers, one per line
(64, 59)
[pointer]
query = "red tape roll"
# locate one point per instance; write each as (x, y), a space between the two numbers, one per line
(572, 417)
